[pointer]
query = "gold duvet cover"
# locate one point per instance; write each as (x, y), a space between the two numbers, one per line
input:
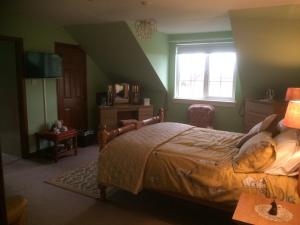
(192, 162)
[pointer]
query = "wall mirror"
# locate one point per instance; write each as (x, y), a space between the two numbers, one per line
(121, 93)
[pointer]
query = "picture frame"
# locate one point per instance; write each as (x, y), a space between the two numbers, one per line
(121, 93)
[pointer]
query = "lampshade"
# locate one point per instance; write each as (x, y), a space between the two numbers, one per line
(292, 115)
(292, 94)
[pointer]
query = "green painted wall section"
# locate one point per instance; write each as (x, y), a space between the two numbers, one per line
(9, 109)
(114, 48)
(156, 49)
(39, 35)
(268, 43)
(96, 81)
(226, 118)
(196, 37)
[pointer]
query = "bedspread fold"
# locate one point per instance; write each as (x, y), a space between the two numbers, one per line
(122, 162)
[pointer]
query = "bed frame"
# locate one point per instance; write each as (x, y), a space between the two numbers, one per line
(106, 135)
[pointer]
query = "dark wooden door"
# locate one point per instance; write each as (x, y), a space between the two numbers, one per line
(71, 89)
(13, 109)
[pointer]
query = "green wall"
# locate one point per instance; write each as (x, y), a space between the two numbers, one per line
(116, 51)
(268, 43)
(39, 35)
(96, 81)
(9, 110)
(226, 117)
(156, 49)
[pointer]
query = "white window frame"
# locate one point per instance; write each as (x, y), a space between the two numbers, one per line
(209, 47)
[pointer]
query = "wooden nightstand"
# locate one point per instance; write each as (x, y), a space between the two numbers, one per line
(65, 143)
(245, 212)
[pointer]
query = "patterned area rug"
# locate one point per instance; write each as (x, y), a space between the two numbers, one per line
(82, 180)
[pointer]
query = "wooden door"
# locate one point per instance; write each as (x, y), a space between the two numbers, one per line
(71, 89)
(13, 109)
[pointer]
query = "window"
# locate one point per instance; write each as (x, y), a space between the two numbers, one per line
(205, 71)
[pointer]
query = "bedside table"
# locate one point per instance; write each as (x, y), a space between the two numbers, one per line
(65, 143)
(246, 214)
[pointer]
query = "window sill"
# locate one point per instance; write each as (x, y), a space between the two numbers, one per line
(202, 101)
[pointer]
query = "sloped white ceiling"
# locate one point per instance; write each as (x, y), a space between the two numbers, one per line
(173, 16)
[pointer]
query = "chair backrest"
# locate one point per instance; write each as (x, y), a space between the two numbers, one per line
(201, 115)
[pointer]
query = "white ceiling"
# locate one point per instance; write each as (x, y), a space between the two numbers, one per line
(172, 16)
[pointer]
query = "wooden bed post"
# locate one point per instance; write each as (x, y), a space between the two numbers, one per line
(161, 114)
(105, 135)
(102, 189)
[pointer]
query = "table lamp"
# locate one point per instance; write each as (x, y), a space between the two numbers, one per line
(292, 115)
(292, 93)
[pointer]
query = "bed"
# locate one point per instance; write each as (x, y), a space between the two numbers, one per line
(184, 161)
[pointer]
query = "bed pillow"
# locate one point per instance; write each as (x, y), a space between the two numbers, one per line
(269, 123)
(257, 154)
(129, 121)
(287, 154)
(281, 127)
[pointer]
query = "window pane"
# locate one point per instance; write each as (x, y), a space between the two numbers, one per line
(214, 89)
(190, 90)
(221, 74)
(226, 89)
(190, 74)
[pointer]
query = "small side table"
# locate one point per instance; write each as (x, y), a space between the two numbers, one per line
(246, 214)
(65, 143)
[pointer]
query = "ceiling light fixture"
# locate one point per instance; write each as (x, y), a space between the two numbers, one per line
(145, 28)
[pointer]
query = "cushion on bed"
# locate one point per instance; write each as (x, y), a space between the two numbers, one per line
(129, 121)
(268, 124)
(257, 154)
(281, 127)
(287, 154)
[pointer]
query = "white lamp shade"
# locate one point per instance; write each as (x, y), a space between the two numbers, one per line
(292, 115)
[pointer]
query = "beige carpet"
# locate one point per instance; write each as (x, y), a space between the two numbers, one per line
(81, 180)
(50, 205)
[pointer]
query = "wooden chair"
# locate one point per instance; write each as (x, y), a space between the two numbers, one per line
(201, 115)
(16, 210)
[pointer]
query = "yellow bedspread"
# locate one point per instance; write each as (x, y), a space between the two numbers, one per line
(182, 159)
(122, 161)
(197, 163)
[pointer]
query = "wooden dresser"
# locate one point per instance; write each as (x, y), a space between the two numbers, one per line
(256, 111)
(112, 115)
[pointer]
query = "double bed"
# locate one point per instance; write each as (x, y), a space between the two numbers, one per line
(185, 161)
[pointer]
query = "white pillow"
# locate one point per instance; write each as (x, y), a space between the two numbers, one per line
(281, 127)
(287, 154)
(293, 164)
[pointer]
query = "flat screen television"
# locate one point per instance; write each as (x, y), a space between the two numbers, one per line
(43, 65)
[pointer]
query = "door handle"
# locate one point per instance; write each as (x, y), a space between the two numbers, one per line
(67, 109)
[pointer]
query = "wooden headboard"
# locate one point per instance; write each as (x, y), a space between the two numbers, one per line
(106, 135)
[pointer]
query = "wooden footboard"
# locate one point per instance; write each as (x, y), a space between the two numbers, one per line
(105, 135)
